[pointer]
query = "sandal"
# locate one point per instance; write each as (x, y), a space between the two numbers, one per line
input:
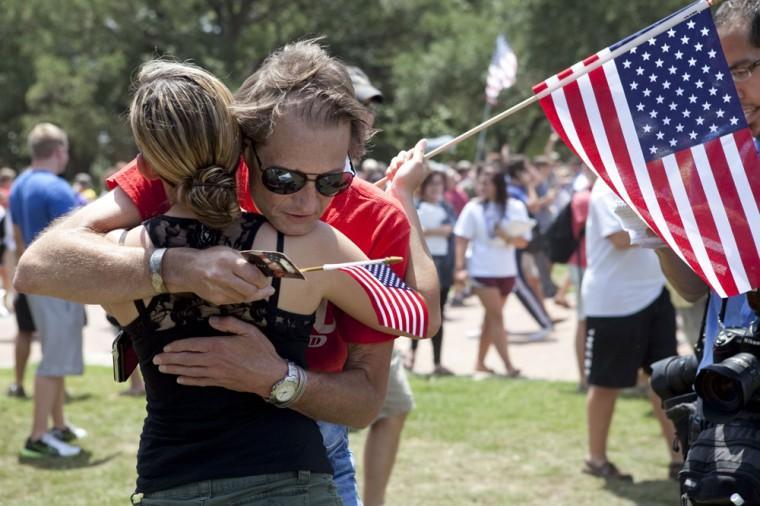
(608, 470)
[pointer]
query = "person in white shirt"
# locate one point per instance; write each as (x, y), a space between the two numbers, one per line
(630, 324)
(437, 220)
(490, 224)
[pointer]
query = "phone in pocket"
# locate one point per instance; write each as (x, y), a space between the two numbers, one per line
(124, 357)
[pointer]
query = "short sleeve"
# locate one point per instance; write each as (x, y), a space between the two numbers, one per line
(147, 195)
(608, 220)
(465, 225)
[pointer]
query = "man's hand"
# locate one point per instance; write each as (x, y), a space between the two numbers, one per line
(244, 362)
(220, 275)
(408, 169)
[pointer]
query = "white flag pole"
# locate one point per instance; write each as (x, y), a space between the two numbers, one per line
(335, 267)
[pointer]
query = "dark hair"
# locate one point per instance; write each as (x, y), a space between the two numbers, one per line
(429, 180)
(740, 13)
(516, 165)
(499, 180)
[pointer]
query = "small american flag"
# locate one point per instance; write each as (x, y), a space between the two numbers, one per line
(397, 306)
(502, 70)
(660, 122)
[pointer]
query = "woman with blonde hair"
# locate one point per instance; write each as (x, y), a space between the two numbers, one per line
(241, 447)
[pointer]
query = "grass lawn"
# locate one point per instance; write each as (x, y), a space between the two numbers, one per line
(494, 442)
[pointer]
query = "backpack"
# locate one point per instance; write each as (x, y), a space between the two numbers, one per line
(560, 240)
(724, 460)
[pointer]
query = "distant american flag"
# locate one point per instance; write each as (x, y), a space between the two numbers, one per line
(661, 124)
(397, 306)
(502, 71)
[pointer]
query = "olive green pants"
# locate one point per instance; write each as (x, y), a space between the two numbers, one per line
(282, 489)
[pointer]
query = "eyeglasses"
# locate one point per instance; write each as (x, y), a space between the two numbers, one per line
(286, 181)
(745, 72)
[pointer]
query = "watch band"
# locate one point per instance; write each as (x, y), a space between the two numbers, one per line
(154, 267)
(295, 374)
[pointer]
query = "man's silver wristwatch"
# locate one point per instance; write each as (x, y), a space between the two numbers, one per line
(290, 388)
(154, 267)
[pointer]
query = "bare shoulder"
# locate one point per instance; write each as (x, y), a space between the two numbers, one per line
(323, 244)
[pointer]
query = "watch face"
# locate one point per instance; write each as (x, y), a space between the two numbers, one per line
(285, 391)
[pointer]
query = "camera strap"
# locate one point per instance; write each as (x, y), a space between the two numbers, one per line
(700, 346)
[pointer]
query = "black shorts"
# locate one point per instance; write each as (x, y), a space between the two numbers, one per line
(24, 318)
(616, 347)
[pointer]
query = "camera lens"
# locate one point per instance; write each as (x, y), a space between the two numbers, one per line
(673, 376)
(727, 387)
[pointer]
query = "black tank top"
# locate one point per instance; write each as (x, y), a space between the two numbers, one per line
(194, 433)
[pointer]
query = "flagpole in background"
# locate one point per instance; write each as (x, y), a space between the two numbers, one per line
(481, 146)
(677, 18)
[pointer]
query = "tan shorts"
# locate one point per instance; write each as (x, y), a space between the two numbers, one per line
(399, 399)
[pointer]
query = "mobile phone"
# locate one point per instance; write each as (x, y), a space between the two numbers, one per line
(124, 357)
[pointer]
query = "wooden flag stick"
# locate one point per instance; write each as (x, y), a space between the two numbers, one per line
(333, 267)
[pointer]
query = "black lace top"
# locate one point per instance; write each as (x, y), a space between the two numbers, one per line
(193, 433)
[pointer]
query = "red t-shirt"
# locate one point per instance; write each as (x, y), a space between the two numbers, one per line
(375, 222)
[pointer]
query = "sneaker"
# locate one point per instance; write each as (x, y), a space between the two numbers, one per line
(49, 446)
(540, 335)
(68, 433)
(16, 390)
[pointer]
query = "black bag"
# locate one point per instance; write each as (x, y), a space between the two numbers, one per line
(723, 460)
(560, 240)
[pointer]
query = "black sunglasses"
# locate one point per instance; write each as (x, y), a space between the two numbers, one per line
(286, 181)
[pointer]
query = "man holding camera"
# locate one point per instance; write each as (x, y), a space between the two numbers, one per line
(738, 24)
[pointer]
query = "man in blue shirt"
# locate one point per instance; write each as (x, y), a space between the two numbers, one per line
(738, 24)
(37, 198)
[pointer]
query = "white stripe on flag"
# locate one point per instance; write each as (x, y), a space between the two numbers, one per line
(637, 157)
(739, 175)
(715, 202)
(678, 190)
(563, 113)
(420, 328)
(411, 315)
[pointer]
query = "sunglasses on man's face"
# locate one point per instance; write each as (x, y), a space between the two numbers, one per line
(286, 181)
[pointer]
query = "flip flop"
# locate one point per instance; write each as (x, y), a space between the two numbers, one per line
(608, 470)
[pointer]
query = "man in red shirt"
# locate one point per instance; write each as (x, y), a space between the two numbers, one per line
(74, 261)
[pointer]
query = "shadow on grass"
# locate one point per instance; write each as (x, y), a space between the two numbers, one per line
(81, 461)
(646, 492)
(77, 398)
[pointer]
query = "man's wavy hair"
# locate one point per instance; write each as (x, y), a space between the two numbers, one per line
(301, 78)
(740, 13)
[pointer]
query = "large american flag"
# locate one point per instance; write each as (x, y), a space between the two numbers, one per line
(502, 71)
(661, 124)
(397, 306)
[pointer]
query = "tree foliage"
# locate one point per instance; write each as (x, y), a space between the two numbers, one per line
(71, 61)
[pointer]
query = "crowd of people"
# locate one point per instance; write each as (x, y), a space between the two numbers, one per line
(271, 167)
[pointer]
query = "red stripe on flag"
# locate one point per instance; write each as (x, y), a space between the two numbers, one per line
(708, 230)
(540, 87)
(547, 104)
(591, 59)
(583, 128)
(736, 218)
(747, 151)
(656, 171)
(565, 73)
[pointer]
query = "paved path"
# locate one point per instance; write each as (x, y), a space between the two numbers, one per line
(548, 359)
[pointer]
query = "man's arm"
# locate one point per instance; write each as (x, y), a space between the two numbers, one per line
(74, 260)
(681, 277)
(248, 362)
